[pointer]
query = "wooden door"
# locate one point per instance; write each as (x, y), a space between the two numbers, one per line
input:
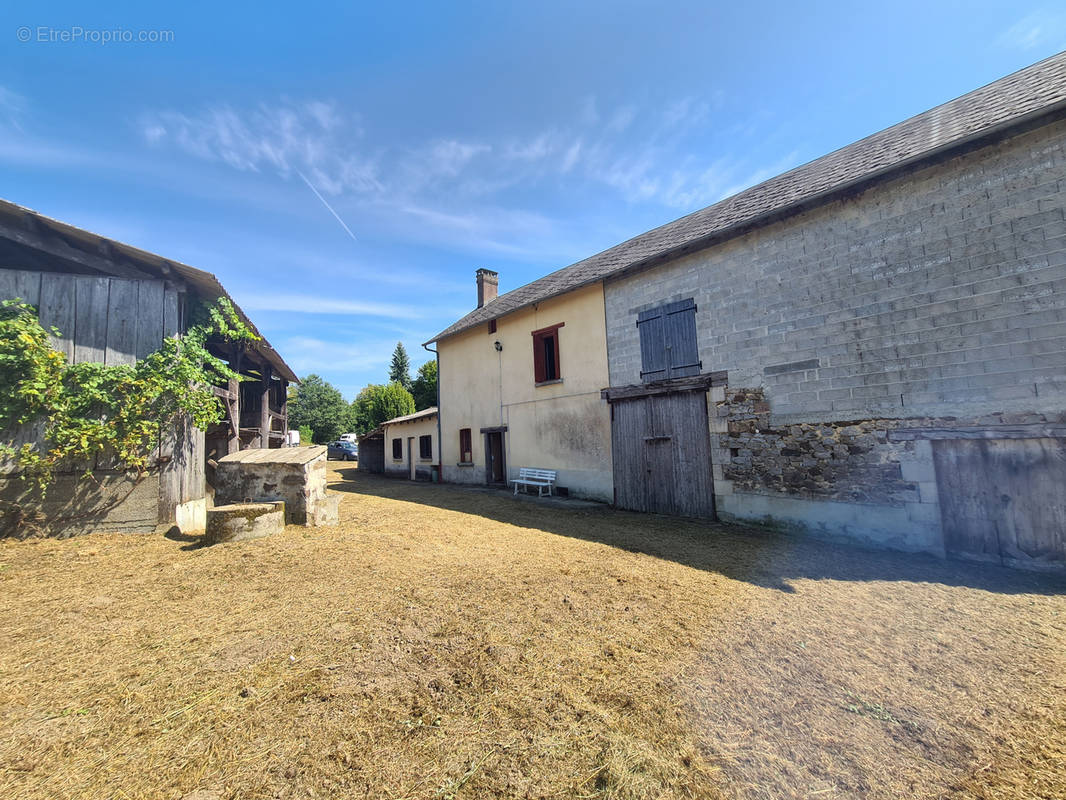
(495, 467)
(411, 457)
(1003, 500)
(662, 454)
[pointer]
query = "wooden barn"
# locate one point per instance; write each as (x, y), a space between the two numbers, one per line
(114, 304)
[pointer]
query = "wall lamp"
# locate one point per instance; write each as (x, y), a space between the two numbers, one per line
(497, 345)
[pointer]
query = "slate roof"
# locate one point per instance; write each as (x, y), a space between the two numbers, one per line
(1008, 102)
(426, 412)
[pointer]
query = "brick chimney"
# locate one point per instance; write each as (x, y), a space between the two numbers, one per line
(488, 286)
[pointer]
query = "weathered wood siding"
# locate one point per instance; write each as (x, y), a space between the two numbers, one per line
(662, 454)
(1003, 500)
(115, 321)
(103, 320)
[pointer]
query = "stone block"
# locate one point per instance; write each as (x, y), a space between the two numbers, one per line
(296, 475)
(240, 521)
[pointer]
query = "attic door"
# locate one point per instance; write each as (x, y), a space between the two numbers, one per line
(662, 455)
(668, 346)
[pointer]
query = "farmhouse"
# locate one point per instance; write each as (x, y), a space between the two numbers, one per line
(870, 346)
(519, 385)
(114, 304)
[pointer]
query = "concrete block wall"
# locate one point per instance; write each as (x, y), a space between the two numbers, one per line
(76, 504)
(935, 299)
(940, 290)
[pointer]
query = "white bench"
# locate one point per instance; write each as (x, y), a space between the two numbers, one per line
(541, 478)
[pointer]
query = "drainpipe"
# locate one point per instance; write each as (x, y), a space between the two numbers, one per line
(440, 436)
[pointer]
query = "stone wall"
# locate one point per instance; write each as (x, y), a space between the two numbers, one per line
(853, 461)
(847, 479)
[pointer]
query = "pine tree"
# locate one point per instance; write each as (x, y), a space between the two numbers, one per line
(400, 369)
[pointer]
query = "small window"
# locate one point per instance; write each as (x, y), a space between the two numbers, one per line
(492, 326)
(465, 453)
(546, 364)
(668, 347)
(425, 446)
(397, 448)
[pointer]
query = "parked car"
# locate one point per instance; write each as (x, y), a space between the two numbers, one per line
(345, 451)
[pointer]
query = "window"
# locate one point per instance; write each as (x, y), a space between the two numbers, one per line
(425, 446)
(668, 342)
(397, 448)
(466, 454)
(546, 365)
(492, 326)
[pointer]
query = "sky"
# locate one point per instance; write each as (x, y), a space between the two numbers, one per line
(344, 168)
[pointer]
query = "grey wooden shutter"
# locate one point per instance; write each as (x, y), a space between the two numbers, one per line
(653, 363)
(682, 354)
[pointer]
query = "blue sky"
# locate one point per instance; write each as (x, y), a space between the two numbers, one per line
(344, 168)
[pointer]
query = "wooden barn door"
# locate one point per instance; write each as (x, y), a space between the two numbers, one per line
(662, 454)
(1003, 500)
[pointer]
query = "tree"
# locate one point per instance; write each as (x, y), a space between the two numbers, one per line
(400, 368)
(376, 404)
(424, 388)
(362, 411)
(320, 407)
(393, 401)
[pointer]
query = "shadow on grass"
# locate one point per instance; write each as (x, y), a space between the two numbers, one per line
(764, 558)
(191, 542)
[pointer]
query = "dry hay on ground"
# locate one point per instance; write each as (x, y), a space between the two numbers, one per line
(444, 642)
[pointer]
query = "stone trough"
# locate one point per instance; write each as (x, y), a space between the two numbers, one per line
(240, 521)
(293, 478)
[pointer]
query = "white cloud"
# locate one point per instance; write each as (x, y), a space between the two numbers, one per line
(345, 361)
(459, 192)
(313, 137)
(12, 107)
(1042, 28)
(307, 354)
(282, 300)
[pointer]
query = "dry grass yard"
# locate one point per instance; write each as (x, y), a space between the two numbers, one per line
(449, 643)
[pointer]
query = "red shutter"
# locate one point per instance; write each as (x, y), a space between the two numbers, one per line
(539, 372)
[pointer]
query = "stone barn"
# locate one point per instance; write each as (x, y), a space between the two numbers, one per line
(114, 304)
(871, 346)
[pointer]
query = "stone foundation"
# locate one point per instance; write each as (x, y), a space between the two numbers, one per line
(850, 461)
(76, 504)
(844, 480)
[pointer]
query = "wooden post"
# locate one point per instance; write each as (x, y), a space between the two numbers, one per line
(264, 408)
(233, 444)
(285, 410)
(233, 404)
